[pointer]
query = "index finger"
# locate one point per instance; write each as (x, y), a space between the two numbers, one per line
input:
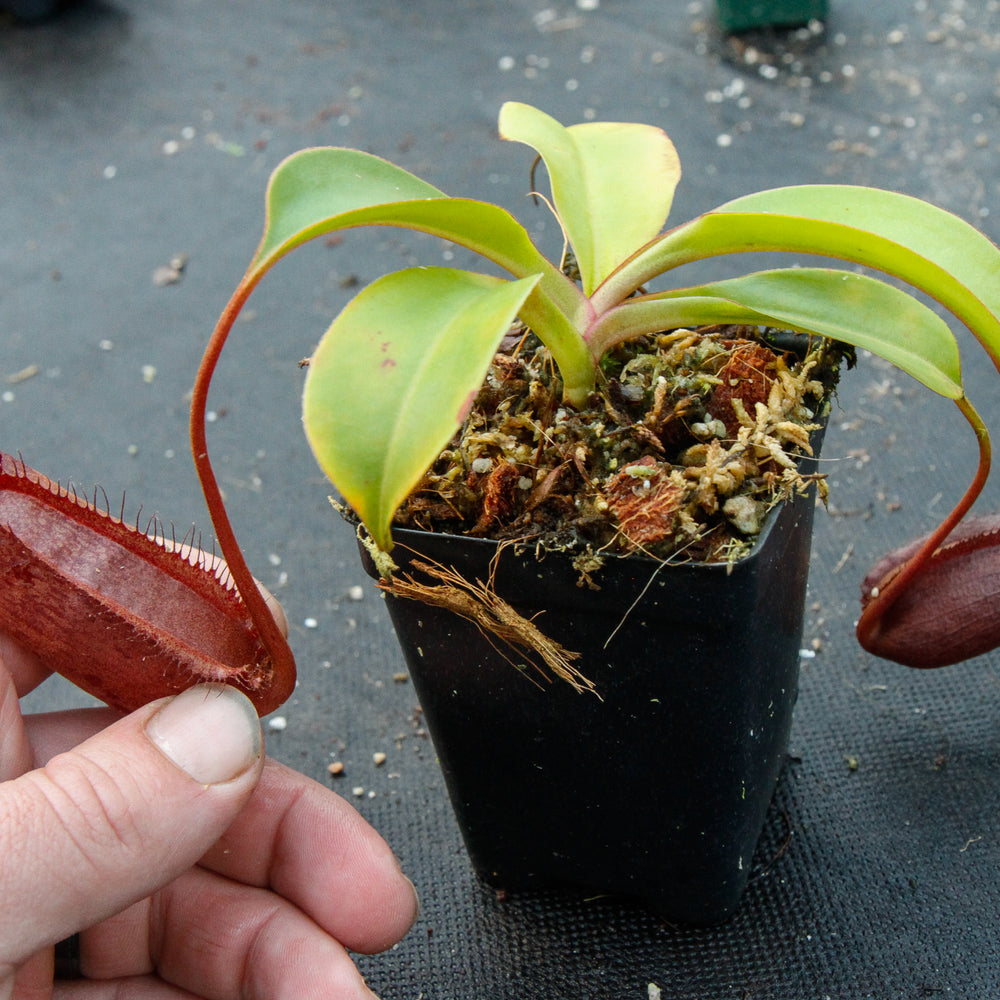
(310, 846)
(26, 670)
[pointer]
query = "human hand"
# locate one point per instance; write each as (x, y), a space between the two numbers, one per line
(190, 865)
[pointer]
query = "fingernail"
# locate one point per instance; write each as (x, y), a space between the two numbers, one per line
(211, 732)
(416, 898)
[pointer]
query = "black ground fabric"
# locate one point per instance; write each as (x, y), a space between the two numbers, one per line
(136, 139)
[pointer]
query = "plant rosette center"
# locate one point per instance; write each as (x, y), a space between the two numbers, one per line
(694, 438)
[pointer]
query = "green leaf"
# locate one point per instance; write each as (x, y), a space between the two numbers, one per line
(319, 191)
(612, 183)
(927, 247)
(855, 309)
(314, 185)
(946, 242)
(394, 376)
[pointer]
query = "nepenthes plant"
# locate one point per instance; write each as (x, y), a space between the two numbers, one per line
(130, 617)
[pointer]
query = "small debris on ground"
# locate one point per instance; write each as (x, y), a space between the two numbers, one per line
(23, 375)
(171, 272)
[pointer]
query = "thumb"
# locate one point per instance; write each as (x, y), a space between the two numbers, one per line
(122, 814)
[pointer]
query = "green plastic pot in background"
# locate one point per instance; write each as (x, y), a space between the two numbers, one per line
(741, 15)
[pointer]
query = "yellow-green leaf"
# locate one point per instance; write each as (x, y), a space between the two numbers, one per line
(612, 183)
(857, 310)
(924, 245)
(949, 246)
(319, 191)
(394, 376)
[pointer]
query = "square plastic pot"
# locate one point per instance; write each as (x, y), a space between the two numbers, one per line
(658, 786)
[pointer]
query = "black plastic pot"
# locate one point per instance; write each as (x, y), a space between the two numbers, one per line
(658, 789)
(742, 15)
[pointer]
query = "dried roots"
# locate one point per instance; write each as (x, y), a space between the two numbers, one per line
(478, 602)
